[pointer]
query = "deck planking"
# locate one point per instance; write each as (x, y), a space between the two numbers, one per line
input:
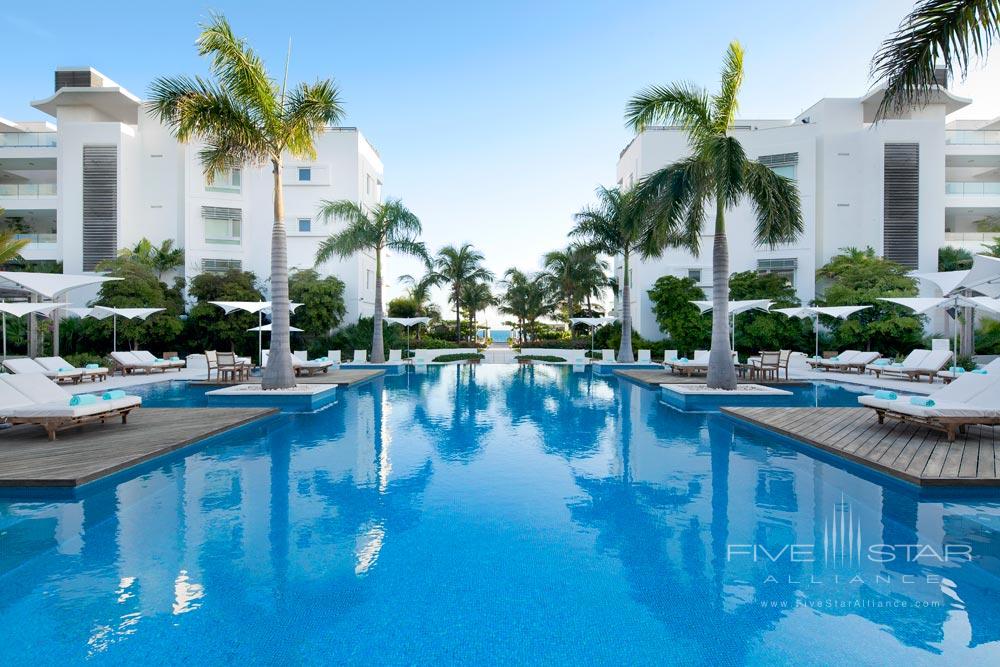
(343, 377)
(88, 453)
(904, 450)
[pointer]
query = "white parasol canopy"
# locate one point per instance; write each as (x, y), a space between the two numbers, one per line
(734, 308)
(593, 323)
(922, 305)
(104, 312)
(254, 307)
(983, 277)
(408, 322)
(50, 285)
(840, 312)
(267, 327)
(20, 310)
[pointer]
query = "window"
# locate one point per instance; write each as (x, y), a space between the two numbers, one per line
(305, 174)
(695, 275)
(221, 265)
(227, 180)
(222, 225)
(368, 184)
(369, 279)
(781, 267)
(783, 164)
(305, 225)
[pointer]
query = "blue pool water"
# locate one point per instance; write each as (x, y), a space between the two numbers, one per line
(498, 514)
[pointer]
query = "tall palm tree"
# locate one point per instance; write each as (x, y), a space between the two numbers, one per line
(419, 291)
(617, 226)
(577, 275)
(386, 226)
(526, 298)
(948, 32)
(243, 116)
(476, 297)
(717, 173)
(456, 266)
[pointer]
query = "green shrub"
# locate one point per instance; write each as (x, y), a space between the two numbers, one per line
(463, 356)
(81, 359)
(988, 337)
(547, 358)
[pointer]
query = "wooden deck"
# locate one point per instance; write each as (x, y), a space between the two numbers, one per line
(908, 451)
(657, 377)
(343, 377)
(88, 453)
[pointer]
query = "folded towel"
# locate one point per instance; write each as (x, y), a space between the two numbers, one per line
(886, 395)
(113, 394)
(83, 399)
(981, 371)
(683, 360)
(882, 362)
(817, 357)
(836, 358)
(321, 359)
(922, 401)
(956, 369)
(159, 361)
(65, 369)
(175, 358)
(91, 367)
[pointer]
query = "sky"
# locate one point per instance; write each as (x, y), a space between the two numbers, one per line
(495, 121)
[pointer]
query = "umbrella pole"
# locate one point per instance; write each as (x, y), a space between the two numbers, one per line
(114, 332)
(260, 338)
(954, 349)
(4, 336)
(816, 331)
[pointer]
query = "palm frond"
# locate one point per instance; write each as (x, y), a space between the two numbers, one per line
(310, 108)
(682, 104)
(952, 31)
(776, 204)
(239, 68)
(725, 103)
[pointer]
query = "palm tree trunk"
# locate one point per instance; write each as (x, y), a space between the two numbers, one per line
(721, 372)
(278, 373)
(378, 345)
(458, 315)
(625, 349)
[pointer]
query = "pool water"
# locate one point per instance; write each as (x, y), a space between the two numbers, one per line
(500, 514)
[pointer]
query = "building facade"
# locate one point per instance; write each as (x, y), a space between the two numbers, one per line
(905, 186)
(105, 174)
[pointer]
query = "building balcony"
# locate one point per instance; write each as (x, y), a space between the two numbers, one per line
(971, 241)
(971, 137)
(27, 190)
(973, 188)
(27, 140)
(41, 246)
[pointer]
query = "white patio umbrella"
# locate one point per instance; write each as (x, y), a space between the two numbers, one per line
(593, 323)
(840, 312)
(923, 305)
(736, 307)
(104, 312)
(20, 310)
(267, 327)
(408, 322)
(253, 307)
(983, 277)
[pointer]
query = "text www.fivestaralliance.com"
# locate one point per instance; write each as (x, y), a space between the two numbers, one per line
(827, 603)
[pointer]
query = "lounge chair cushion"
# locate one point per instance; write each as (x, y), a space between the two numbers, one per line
(38, 388)
(43, 410)
(11, 398)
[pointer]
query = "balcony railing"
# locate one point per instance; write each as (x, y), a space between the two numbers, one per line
(27, 190)
(972, 136)
(38, 238)
(972, 188)
(27, 139)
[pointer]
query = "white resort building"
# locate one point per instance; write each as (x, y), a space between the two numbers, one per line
(103, 174)
(905, 186)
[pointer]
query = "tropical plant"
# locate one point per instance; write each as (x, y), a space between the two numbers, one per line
(576, 275)
(476, 297)
(455, 267)
(526, 298)
(618, 226)
(954, 259)
(322, 300)
(759, 330)
(159, 259)
(685, 325)
(385, 226)
(419, 291)
(243, 116)
(949, 32)
(991, 249)
(718, 172)
(206, 328)
(10, 245)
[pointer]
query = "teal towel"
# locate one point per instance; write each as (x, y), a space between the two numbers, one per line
(922, 401)
(65, 369)
(683, 360)
(672, 359)
(175, 358)
(83, 399)
(158, 361)
(882, 362)
(321, 359)
(836, 358)
(113, 394)
(981, 371)
(956, 369)
(817, 357)
(92, 367)
(886, 395)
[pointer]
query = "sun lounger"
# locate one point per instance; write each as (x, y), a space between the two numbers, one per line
(95, 373)
(360, 357)
(25, 366)
(34, 399)
(310, 367)
(128, 363)
(669, 355)
(697, 365)
(395, 356)
(972, 399)
(826, 364)
(856, 362)
(608, 356)
(918, 363)
(148, 357)
(644, 357)
(334, 356)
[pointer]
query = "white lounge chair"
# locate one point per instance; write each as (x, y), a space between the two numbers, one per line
(56, 364)
(34, 399)
(608, 356)
(310, 367)
(917, 364)
(334, 356)
(826, 364)
(128, 363)
(302, 354)
(973, 398)
(360, 357)
(669, 355)
(644, 357)
(856, 362)
(25, 366)
(395, 356)
(149, 357)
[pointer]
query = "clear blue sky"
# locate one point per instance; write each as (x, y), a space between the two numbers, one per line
(495, 120)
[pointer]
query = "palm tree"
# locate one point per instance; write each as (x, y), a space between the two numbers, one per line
(456, 267)
(717, 172)
(419, 291)
(386, 226)
(243, 116)
(577, 275)
(617, 226)
(525, 297)
(158, 259)
(10, 245)
(950, 32)
(475, 298)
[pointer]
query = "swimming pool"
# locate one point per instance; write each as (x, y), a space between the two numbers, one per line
(498, 514)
